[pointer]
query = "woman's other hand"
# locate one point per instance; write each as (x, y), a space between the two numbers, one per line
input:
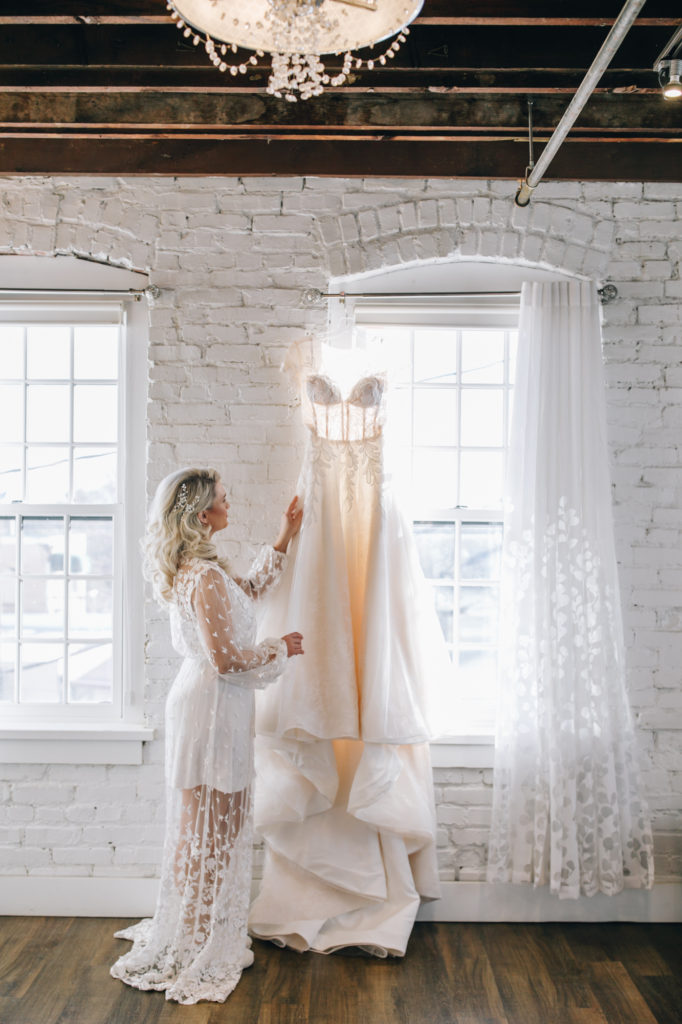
(294, 642)
(290, 525)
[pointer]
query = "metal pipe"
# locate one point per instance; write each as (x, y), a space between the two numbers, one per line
(613, 40)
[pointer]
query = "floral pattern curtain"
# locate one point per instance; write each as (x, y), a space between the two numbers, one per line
(568, 810)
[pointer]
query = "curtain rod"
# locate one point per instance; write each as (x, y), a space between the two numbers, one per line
(312, 295)
(151, 292)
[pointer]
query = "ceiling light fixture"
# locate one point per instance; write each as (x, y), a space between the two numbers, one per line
(668, 67)
(295, 33)
(669, 73)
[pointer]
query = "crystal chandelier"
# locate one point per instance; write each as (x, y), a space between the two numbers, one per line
(295, 33)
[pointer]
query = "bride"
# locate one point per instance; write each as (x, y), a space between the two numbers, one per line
(196, 945)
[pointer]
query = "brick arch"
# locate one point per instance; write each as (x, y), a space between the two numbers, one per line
(558, 236)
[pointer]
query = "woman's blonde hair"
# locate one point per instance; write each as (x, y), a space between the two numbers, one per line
(174, 531)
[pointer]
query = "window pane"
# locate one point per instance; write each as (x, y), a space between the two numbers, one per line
(94, 412)
(90, 673)
(42, 545)
(436, 546)
(513, 350)
(8, 544)
(95, 351)
(8, 653)
(388, 347)
(91, 543)
(478, 615)
(399, 417)
(435, 478)
(477, 676)
(445, 609)
(10, 473)
(435, 356)
(12, 412)
(481, 479)
(480, 551)
(12, 350)
(48, 351)
(47, 415)
(482, 357)
(90, 608)
(435, 416)
(94, 475)
(47, 475)
(8, 607)
(42, 607)
(482, 418)
(42, 673)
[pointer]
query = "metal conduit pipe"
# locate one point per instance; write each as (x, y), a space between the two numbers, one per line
(613, 40)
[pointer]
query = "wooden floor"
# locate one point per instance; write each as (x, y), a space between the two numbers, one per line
(55, 971)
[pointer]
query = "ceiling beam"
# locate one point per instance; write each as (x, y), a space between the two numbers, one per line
(622, 115)
(604, 161)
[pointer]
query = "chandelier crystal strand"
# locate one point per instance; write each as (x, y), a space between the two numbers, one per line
(296, 30)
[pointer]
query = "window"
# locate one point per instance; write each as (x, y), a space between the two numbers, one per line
(448, 423)
(66, 414)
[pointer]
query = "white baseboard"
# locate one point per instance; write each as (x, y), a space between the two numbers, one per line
(461, 901)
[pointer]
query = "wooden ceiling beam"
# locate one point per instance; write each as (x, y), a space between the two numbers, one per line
(604, 161)
(161, 111)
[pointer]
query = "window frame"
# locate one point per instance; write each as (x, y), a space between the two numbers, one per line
(471, 746)
(97, 733)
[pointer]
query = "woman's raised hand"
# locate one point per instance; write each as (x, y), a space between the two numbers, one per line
(290, 525)
(294, 642)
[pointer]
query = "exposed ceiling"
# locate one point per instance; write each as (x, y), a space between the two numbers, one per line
(112, 87)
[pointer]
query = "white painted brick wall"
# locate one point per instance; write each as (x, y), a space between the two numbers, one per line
(232, 257)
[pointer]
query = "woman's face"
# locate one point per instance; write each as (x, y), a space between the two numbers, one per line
(216, 515)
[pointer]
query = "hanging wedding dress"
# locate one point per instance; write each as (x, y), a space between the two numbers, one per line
(344, 795)
(196, 945)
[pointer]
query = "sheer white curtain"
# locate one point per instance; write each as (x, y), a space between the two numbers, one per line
(567, 808)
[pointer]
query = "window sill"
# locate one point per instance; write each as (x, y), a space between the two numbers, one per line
(474, 750)
(122, 744)
(73, 744)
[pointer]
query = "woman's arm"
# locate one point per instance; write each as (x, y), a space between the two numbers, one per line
(269, 564)
(249, 667)
(266, 570)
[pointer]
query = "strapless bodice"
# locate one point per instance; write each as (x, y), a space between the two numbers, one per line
(352, 418)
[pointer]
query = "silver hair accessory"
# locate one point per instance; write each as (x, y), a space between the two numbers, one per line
(182, 505)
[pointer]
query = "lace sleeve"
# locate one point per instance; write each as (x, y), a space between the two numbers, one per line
(265, 570)
(253, 668)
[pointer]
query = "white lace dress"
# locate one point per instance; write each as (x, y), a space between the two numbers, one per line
(344, 794)
(196, 945)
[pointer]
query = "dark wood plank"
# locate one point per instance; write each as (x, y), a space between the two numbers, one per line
(620, 115)
(43, 999)
(421, 979)
(663, 996)
(489, 158)
(17, 967)
(618, 996)
(451, 974)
